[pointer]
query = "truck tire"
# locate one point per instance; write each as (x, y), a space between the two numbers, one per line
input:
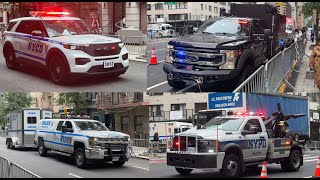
(9, 144)
(231, 166)
(292, 163)
(118, 163)
(176, 84)
(184, 171)
(58, 69)
(42, 148)
(80, 158)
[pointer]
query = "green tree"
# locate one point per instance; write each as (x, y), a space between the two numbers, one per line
(77, 99)
(11, 101)
(308, 9)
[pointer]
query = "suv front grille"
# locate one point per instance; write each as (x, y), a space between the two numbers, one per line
(103, 49)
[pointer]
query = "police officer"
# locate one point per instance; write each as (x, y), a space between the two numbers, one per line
(285, 130)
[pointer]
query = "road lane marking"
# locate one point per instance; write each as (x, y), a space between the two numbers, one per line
(157, 50)
(312, 157)
(141, 168)
(307, 155)
(75, 175)
(157, 85)
(4, 150)
(310, 160)
(308, 177)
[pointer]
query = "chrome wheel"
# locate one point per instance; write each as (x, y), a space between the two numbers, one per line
(79, 158)
(232, 167)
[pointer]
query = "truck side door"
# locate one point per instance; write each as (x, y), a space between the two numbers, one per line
(31, 117)
(66, 139)
(56, 136)
(255, 144)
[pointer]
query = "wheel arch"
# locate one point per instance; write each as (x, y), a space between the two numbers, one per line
(51, 52)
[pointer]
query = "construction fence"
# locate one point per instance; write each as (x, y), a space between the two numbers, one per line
(12, 170)
(136, 45)
(269, 77)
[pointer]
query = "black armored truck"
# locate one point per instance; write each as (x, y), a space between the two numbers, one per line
(225, 50)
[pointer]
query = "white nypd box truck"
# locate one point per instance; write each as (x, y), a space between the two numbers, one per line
(65, 46)
(239, 140)
(22, 125)
(88, 141)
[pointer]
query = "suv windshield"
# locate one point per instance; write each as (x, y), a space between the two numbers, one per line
(67, 27)
(90, 125)
(226, 27)
(225, 124)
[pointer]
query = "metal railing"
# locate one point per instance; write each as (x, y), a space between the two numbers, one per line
(313, 145)
(139, 147)
(187, 115)
(276, 70)
(136, 45)
(12, 170)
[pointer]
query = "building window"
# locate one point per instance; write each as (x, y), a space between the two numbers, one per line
(189, 16)
(138, 97)
(156, 110)
(210, 8)
(202, 7)
(210, 16)
(182, 5)
(138, 127)
(223, 3)
(178, 107)
(206, 17)
(115, 98)
(229, 3)
(124, 124)
(215, 9)
(172, 6)
(205, 7)
(158, 6)
(148, 7)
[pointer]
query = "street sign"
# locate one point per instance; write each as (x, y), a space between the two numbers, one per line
(315, 115)
(225, 100)
(169, 3)
(176, 115)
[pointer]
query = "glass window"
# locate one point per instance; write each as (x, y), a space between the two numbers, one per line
(253, 125)
(115, 98)
(138, 126)
(148, 7)
(10, 26)
(225, 124)
(158, 6)
(59, 127)
(205, 7)
(210, 8)
(32, 120)
(156, 110)
(201, 6)
(90, 125)
(215, 9)
(68, 124)
(177, 107)
(24, 27)
(124, 124)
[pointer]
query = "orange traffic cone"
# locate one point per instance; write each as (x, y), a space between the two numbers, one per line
(153, 59)
(317, 171)
(264, 170)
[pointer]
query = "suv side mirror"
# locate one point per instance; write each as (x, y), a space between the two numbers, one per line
(199, 126)
(36, 33)
(64, 128)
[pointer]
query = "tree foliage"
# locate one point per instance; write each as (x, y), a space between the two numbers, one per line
(12, 101)
(76, 99)
(309, 7)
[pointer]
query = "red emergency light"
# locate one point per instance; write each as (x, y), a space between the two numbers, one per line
(243, 22)
(289, 20)
(45, 13)
(261, 114)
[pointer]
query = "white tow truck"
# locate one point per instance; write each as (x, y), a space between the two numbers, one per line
(88, 141)
(235, 142)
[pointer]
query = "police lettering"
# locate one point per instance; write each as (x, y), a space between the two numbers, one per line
(65, 139)
(46, 123)
(35, 47)
(256, 143)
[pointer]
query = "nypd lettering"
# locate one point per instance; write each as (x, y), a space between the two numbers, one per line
(35, 47)
(46, 123)
(255, 144)
(66, 139)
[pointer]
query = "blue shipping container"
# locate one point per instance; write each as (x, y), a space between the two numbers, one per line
(267, 103)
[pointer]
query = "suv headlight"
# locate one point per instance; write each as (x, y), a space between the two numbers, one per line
(169, 58)
(76, 47)
(231, 56)
(93, 141)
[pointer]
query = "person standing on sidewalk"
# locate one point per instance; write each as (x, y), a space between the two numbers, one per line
(314, 63)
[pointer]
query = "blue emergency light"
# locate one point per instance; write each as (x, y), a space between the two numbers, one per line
(181, 55)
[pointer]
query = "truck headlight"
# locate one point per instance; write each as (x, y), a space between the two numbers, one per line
(93, 141)
(231, 56)
(169, 58)
(207, 146)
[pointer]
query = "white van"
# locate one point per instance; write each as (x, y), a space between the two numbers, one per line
(161, 30)
(22, 126)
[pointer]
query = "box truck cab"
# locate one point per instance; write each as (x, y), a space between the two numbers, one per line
(22, 125)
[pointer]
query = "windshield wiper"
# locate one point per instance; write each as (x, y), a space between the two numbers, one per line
(225, 33)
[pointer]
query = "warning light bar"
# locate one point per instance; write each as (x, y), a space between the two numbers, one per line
(45, 13)
(261, 114)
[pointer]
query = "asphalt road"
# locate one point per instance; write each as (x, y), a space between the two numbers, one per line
(58, 166)
(157, 80)
(157, 167)
(36, 79)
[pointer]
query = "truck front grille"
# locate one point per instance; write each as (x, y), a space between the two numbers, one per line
(198, 58)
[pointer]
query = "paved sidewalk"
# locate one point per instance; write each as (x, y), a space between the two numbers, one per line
(302, 83)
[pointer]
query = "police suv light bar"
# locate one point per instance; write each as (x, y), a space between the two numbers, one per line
(45, 13)
(261, 114)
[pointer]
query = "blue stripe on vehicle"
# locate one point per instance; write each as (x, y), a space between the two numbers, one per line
(36, 38)
(68, 145)
(68, 134)
(21, 130)
(30, 55)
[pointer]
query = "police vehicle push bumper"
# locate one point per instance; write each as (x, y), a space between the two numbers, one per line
(195, 160)
(208, 76)
(107, 154)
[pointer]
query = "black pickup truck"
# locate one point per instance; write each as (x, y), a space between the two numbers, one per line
(223, 49)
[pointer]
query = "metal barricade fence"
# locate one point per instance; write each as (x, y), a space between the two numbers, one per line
(313, 145)
(17, 171)
(136, 45)
(4, 167)
(255, 83)
(274, 72)
(140, 146)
